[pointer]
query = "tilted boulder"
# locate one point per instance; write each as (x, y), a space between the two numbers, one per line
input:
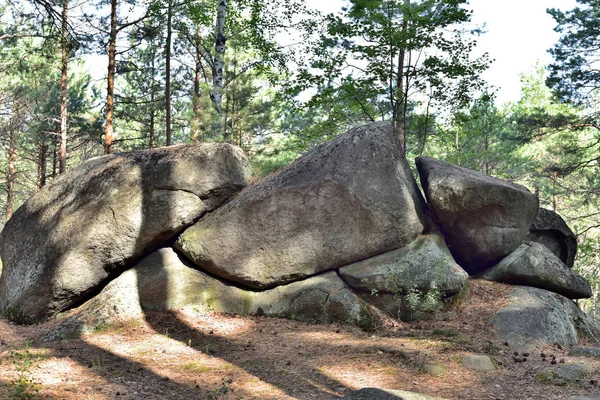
(347, 200)
(535, 317)
(482, 218)
(89, 224)
(551, 230)
(532, 264)
(163, 281)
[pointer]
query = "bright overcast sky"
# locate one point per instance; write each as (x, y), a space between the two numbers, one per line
(518, 32)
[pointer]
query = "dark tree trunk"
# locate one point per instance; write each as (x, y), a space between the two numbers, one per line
(63, 90)
(42, 165)
(110, 89)
(168, 74)
(11, 172)
(218, 62)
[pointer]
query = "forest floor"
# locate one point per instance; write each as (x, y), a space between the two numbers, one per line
(190, 355)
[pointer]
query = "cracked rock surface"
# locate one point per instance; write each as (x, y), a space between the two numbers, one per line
(99, 218)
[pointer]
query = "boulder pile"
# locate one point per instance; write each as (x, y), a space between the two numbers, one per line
(338, 234)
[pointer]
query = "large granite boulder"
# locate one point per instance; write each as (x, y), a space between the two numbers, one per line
(163, 281)
(532, 264)
(482, 218)
(93, 222)
(551, 230)
(347, 200)
(535, 317)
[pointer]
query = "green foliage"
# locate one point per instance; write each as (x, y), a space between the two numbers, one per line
(24, 386)
(13, 313)
(221, 390)
(573, 76)
(365, 64)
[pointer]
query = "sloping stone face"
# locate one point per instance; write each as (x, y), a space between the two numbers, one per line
(98, 218)
(532, 264)
(347, 200)
(550, 229)
(482, 218)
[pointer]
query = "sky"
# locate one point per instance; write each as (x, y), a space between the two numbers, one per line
(518, 33)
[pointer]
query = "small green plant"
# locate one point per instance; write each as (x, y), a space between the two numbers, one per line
(98, 362)
(196, 367)
(368, 321)
(13, 313)
(432, 298)
(102, 327)
(24, 386)
(221, 390)
(413, 297)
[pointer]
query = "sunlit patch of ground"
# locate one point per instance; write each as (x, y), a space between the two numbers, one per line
(192, 355)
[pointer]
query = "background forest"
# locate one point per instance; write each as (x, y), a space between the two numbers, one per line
(80, 79)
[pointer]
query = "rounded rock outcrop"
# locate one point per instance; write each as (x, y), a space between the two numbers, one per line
(94, 221)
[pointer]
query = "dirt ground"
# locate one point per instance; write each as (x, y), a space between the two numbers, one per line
(190, 355)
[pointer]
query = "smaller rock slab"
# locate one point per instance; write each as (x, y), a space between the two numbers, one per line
(536, 317)
(478, 363)
(435, 369)
(585, 351)
(532, 264)
(386, 394)
(423, 265)
(573, 372)
(565, 373)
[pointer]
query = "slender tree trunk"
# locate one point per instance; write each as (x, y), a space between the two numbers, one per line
(11, 172)
(110, 89)
(486, 164)
(152, 134)
(554, 196)
(196, 99)
(457, 145)
(42, 165)
(168, 74)
(152, 123)
(63, 89)
(218, 63)
(399, 117)
(54, 158)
